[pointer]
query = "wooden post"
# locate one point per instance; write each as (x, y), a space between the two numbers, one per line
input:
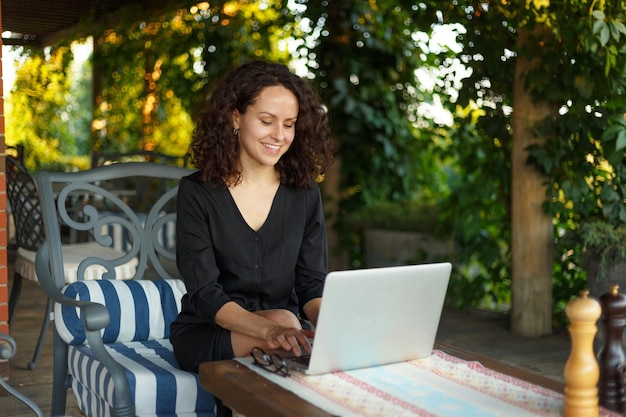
(532, 230)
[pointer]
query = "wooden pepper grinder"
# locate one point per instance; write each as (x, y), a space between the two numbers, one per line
(611, 356)
(581, 369)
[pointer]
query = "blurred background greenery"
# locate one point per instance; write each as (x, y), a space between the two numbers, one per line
(420, 97)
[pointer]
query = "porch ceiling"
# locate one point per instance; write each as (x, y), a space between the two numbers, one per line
(43, 23)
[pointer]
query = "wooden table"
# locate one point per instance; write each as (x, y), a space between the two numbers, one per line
(251, 394)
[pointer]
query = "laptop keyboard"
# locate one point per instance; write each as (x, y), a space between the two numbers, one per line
(303, 360)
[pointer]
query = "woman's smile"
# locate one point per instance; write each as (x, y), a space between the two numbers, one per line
(272, 148)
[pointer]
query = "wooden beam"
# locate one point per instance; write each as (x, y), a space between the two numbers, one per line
(134, 11)
(91, 22)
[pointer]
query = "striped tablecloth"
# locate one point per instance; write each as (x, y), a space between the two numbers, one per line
(440, 385)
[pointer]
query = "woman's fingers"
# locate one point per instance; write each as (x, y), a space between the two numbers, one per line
(293, 340)
(309, 333)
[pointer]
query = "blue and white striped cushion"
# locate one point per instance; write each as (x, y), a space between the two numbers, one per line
(158, 386)
(139, 310)
(137, 337)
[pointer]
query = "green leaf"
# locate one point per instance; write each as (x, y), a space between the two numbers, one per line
(611, 131)
(614, 31)
(567, 187)
(597, 26)
(605, 34)
(621, 140)
(620, 26)
(609, 195)
(598, 15)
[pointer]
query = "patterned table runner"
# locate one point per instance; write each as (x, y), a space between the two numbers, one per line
(440, 385)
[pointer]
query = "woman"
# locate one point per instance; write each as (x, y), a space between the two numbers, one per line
(251, 236)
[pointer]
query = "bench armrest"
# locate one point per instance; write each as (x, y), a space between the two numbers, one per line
(95, 317)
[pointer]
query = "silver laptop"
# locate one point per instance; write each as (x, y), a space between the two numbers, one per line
(377, 316)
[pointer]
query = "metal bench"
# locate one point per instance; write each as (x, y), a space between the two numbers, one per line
(112, 336)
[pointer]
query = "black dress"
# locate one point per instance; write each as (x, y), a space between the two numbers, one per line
(221, 258)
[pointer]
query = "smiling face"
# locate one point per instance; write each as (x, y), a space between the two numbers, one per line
(267, 128)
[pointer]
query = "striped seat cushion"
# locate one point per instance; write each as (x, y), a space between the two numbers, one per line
(158, 386)
(137, 337)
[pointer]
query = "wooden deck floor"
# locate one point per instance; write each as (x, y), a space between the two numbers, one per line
(481, 332)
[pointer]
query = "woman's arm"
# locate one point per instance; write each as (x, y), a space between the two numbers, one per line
(312, 310)
(312, 266)
(195, 255)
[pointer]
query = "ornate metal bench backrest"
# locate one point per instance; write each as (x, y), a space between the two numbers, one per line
(91, 207)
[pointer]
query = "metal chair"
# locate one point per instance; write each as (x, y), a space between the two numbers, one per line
(16, 152)
(7, 351)
(23, 196)
(111, 342)
(146, 190)
(102, 159)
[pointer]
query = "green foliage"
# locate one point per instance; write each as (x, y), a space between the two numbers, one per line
(372, 96)
(363, 55)
(153, 76)
(585, 148)
(604, 242)
(158, 73)
(580, 64)
(364, 61)
(403, 215)
(43, 110)
(407, 215)
(569, 276)
(481, 150)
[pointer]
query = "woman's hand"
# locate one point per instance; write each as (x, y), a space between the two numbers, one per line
(290, 339)
(277, 329)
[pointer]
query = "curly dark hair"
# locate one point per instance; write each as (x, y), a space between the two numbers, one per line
(215, 148)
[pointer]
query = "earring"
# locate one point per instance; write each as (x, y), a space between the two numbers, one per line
(236, 132)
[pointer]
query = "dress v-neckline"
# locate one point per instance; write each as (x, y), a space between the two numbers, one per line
(243, 219)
